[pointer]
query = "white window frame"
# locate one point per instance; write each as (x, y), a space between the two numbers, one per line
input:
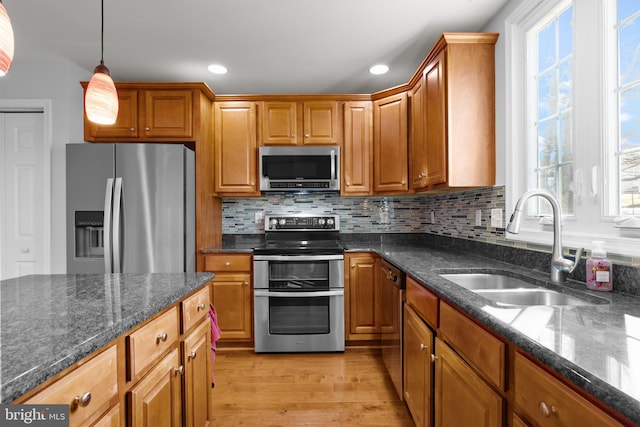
(591, 118)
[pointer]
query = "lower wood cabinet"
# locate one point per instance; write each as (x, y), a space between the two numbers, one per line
(462, 397)
(418, 368)
(362, 297)
(156, 401)
(542, 400)
(232, 295)
(196, 348)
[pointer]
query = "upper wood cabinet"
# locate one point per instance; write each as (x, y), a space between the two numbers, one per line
(161, 112)
(300, 123)
(236, 148)
(357, 151)
(417, 139)
(390, 144)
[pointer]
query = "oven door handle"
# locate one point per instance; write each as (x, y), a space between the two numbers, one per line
(298, 257)
(265, 293)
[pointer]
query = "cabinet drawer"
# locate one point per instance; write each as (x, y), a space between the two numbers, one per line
(422, 301)
(220, 263)
(481, 349)
(150, 341)
(195, 308)
(97, 379)
(544, 401)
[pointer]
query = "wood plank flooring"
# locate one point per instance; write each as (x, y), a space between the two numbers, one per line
(305, 389)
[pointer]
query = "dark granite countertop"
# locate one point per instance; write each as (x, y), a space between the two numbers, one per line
(596, 347)
(49, 322)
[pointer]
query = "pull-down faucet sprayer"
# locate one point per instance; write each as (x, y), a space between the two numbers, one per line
(559, 264)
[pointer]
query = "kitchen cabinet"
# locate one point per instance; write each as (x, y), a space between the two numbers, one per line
(90, 390)
(157, 399)
(357, 151)
(418, 368)
(197, 376)
(417, 136)
(149, 114)
(459, 113)
(306, 122)
(542, 400)
(462, 398)
(236, 148)
(232, 295)
(362, 297)
(390, 144)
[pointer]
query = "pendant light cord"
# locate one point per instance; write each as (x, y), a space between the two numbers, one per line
(101, 32)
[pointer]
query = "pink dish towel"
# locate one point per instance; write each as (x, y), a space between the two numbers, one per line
(215, 336)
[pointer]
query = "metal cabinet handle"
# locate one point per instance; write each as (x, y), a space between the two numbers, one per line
(83, 400)
(147, 129)
(227, 264)
(132, 129)
(245, 284)
(192, 355)
(200, 307)
(162, 337)
(423, 347)
(434, 358)
(547, 411)
(306, 135)
(179, 370)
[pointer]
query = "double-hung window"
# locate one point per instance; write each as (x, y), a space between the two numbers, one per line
(573, 119)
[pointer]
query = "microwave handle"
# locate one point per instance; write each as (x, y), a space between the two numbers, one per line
(333, 164)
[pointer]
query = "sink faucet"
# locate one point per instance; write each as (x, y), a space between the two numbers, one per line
(559, 264)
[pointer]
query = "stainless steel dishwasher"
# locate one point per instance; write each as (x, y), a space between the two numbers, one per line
(392, 285)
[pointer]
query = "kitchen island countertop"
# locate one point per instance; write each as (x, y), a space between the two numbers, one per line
(50, 322)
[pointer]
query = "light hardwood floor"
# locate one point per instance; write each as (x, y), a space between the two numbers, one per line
(305, 389)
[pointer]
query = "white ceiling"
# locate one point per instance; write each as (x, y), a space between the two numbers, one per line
(269, 46)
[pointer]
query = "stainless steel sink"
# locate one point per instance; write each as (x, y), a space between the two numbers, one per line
(510, 291)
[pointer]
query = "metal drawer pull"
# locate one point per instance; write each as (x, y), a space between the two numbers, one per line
(162, 337)
(547, 411)
(83, 400)
(192, 355)
(200, 307)
(179, 370)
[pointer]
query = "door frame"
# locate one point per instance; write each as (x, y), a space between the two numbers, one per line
(43, 106)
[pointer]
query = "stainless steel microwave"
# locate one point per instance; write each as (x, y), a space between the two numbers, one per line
(300, 169)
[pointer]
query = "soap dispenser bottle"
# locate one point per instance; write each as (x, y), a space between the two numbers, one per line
(599, 269)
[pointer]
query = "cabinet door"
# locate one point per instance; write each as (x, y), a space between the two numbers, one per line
(126, 125)
(390, 144)
(435, 114)
(357, 152)
(236, 149)
(462, 397)
(320, 123)
(156, 401)
(196, 357)
(168, 114)
(232, 297)
(418, 368)
(417, 137)
(363, 297)
(279, 123)
(110, 419)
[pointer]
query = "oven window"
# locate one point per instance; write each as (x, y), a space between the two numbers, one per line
(298, 275)
(299, 315)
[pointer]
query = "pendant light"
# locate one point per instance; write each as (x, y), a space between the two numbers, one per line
(101, 98)
(6, 41)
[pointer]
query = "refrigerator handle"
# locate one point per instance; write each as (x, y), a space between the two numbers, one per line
(117, 225)
(108, 200)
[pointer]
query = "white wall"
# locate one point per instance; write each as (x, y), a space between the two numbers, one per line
(57, 80)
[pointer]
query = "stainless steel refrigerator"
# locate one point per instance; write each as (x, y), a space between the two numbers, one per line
(130, 208)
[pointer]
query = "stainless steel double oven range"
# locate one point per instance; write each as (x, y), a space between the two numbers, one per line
(299, 285)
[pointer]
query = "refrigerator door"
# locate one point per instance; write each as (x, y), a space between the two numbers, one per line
(88, 168)
(151, 233)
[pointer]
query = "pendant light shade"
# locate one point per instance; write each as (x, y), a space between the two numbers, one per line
(101, 97)
(6, 41)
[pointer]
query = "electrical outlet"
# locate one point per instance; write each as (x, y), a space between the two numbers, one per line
(478, 218)
(258, 217)
(496, 218)
(433, 217)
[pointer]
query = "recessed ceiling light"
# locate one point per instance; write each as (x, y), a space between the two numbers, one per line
(217, 69)
(378, 69)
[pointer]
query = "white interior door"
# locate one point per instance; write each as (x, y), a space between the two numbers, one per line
(23, 194)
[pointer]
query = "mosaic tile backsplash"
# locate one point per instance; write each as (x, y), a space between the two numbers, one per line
(453, 213)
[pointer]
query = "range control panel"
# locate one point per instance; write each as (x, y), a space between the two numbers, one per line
(302, 222)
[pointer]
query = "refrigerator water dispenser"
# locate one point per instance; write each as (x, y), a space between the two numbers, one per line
(89, 234)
